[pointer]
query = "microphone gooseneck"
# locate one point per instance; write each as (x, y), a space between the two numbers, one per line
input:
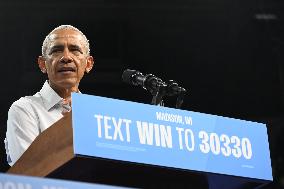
(155, 86)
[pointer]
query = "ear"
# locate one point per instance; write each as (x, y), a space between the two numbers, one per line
(90, 64)
(41, 64)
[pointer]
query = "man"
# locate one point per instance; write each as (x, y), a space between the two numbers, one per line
(65, 58)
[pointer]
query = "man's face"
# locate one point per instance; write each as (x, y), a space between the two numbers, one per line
(66, 59)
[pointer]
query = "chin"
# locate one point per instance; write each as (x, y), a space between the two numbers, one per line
(69, 83)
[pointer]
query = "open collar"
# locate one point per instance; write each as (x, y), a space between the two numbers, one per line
(49, 96)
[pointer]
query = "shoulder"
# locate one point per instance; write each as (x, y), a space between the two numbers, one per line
(25, 104)
(21, 103)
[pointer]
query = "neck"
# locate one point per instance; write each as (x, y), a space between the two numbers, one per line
(64, 92)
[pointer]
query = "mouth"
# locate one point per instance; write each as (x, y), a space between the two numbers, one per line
(66, 70)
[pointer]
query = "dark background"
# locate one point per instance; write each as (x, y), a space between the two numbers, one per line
(228, 54)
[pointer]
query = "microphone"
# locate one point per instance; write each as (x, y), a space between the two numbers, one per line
(174, 89)
(155, 86)
(148, 82)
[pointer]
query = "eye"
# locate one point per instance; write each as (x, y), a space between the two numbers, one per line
(55, 50)
(76, 50)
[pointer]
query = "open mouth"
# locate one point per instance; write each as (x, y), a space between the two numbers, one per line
(67, 70)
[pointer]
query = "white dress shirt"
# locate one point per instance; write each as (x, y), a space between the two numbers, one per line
(28, 117)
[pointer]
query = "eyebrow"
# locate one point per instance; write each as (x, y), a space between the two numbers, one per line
(56, 47)
(77, 47)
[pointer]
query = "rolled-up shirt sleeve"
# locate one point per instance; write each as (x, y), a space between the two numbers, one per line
(22, 129)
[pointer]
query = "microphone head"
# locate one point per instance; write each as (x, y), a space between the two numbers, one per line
(127, 76)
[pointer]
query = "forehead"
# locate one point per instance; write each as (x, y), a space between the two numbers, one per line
(66, 35)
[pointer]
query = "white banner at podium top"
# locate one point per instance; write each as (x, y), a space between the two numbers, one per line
(8, 181)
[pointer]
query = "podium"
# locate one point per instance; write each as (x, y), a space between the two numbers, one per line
(130, 144)
(27, 182)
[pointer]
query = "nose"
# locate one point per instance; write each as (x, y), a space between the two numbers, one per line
(66, 58)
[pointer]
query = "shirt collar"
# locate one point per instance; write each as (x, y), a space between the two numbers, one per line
(50, 97)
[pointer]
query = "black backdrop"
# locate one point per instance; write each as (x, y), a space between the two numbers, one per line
(228, 54)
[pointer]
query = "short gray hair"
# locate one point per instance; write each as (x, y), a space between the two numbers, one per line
(63, 27)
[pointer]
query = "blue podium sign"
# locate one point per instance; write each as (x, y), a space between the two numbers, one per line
(161, 136)
(8, 181)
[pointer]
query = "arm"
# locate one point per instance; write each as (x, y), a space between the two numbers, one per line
(22, 129)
